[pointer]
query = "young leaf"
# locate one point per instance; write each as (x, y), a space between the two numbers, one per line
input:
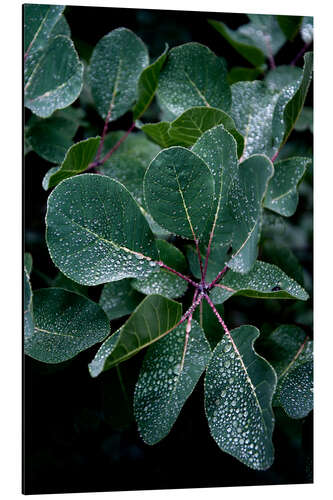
(95, 231)
(65, 324)
(151, 320)
(28, 306)
(77, 159)
(193, 76)
(239, 386)
(164, 385)
(290, 25)
(282, 195)
(179, 192)
(56, 80)
(115, 67)
(119, 299)
(264, 281)
(147, 85)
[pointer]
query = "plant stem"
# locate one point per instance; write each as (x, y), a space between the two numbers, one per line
(116, 146)
(301, 52)
(105, 128)
(200, 259)
(186, 278)
(218, 277)
(188, 329)
(270, 53)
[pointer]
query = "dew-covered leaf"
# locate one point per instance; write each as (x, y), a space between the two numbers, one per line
(171, 256)
(116, 63)
(119, 299)
(28, 306)
(147, 84)
(296, 393)
(206, 318)
(151, 320)
(164, 385)
(239, 74)
(158, 132)
(193, 76)
(96, 232)
(61, 28)
(307, 29)
(290, 25)
(264, 281)
(56, 80)
(218, 257)
(39, 21)
(282, 193)
(281, 76)
(283, 257)
(180, 199)
(77, 159)
(62, 281)
(28, 262)
(65, 324)
(239, 387)
(129, 162)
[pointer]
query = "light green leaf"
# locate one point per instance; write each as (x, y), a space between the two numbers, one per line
(96, 232)
(290, 25)
(164, 385)
(28, 262)
(130, 161)
(56, 80)
(193, 76)
(65, 324)
(119, 299)
(115, 67)
(76, 161)
(307, 29)
(179, 192)
(158, 132)
(154, 317)
(147, 84)
(239, 387)
(264, 281)
(282, 194)
(28, 306)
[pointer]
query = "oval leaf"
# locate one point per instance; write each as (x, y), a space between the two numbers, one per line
(239, 386)
(65, 324)
(119, 299)
(96, 232)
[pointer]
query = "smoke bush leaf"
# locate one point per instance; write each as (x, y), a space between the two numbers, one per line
(119, 299)
(28, 306)
(164, 385)
(193, 76)
(151, 320)
(115, 67)
(96, 232)
(65, 324)
(290, 25)
(239, 387)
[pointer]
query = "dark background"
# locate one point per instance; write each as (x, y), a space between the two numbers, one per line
(78, 434)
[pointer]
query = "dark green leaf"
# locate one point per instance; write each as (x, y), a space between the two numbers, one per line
(151, 320)
(282, 194)
(179, 192)
(171, 256)
(28, 306)
(96, 232)
(147, 84)
(61, 28)
(239, 386)
(265, 33)
(119, 299)
(115, 67)
(65, 324)
(76, 161)
(239, 74)
(305, 120)
(193, 76)
(290, 25)
(296, 393)
(307, 29)
(209, 322)
(281, 256)
(264, 281)
(28, 262)
(39, 21)
(61, 281)
(278, 78)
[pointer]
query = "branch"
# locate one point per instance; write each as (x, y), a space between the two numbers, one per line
(218, 277)
(171, 270)
(188, 328)
(105, 128)
(116, 146)
(301, 52)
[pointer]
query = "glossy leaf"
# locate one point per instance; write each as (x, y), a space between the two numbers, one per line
(307, 29)
(56, 80)
(264, 281)
(290, 25)
(39, 22)
(296, 393)
(76, 161)
(282, 257)
(239, 387)
(129, 162)
(119, 299)
(181, 199)
(147, 85)
(150, 321)
(65, 324)
(116, 63)
(96, 232)
(28, 306)
(164, 385)
(193, 76)
(281, 76)
(282, 194)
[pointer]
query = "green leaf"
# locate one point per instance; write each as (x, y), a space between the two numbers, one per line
(209, 322)
(96, 232)
(239, 386)
(193, 76)
(187, 128)
(282, 257)
(278, 78)
(51, 137)
(171, 256)
(154, 317)
(305, 120)
(164, 385)
(28, 262)
(56, 80)
(179, 192)
(264, 281)
(239, 74)
(129, 162)
(61, 281)
(39, 21)
(282, 194)
(119, 299)
(76, 161)
(296, 393)
(65, 324)
(290, 25)
(147, 84)
(307, 29)
(28, 306)
(115, 67)
(61, 28)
